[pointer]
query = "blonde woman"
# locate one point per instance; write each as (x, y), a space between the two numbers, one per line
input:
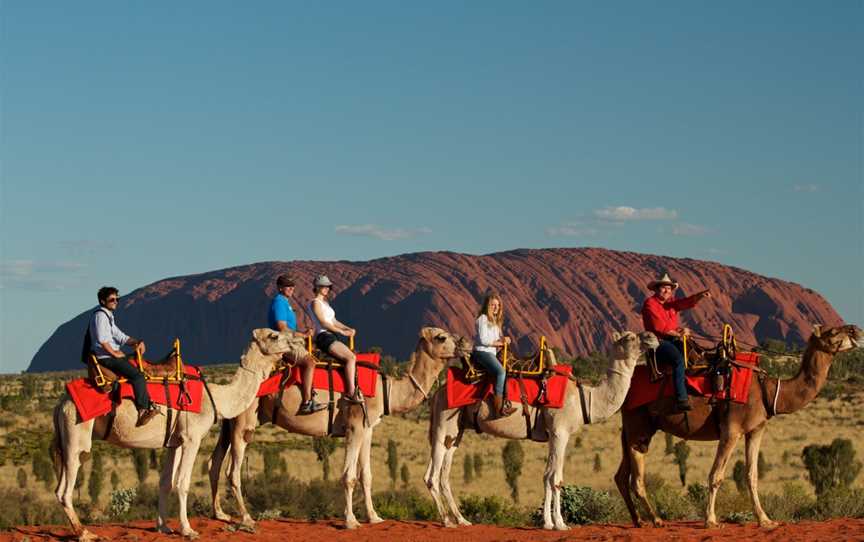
(487, 341)
(326, 328)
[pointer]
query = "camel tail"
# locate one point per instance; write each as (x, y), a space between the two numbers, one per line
(56, 447)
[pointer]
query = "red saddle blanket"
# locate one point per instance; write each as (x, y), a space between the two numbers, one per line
(461, 392)
(643, 391)
(92, 402)
(366, 377)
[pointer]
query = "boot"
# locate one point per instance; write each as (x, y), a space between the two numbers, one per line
(146, 414)
(682, 405)
(310, 407)
(500, 410)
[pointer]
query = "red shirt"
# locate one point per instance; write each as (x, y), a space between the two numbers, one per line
(661, 318)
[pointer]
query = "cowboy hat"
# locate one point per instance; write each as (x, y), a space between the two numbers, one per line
(663, 281)
(322, 280)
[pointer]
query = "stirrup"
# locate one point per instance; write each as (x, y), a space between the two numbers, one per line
(356, 399)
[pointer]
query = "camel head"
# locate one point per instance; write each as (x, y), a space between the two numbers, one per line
(836, 339)
(628, 346)
(440, 344)
(272, 344)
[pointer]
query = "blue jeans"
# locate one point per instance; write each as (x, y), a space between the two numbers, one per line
(491, 365)
(121, 367)
(668, 353)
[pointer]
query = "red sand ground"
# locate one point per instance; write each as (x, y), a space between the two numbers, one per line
(407, 531)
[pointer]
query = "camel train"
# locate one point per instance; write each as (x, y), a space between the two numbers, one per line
(242, 406)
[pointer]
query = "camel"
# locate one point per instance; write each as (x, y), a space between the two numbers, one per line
(602, 402)
(73, 440)
(726, 422)
(434, 348)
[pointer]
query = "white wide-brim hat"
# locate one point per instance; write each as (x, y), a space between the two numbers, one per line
(322, 280)
(663, 281)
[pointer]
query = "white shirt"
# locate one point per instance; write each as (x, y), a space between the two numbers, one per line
(486, 335)
(104, 330)
(326, 311)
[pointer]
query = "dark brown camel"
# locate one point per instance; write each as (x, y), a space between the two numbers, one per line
(726, 422)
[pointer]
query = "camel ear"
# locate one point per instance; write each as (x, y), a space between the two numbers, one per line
(615, 336)
(264, 335)
(817, 330)
(426, 333)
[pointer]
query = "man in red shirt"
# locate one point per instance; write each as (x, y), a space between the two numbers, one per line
(660, 316)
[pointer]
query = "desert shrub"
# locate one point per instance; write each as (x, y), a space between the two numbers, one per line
(832, 466)
(468, 469)
(793, 504)
(848, 366)
(392, 461)
(21, 478)
(669, 503)
(120, 502)
(27, 509)
(840, 502)
(739, 517)
(404, 504)
(405, 474)
(582, 505)
(739, 474)
(697, 494)
(681, 452)
(141, 461)
(513, 456)
(94, 488)
(598, 464)
(317, 499)
(478, 464)
(324, 448)
(274, 463)
(491, 509)
(591, 368)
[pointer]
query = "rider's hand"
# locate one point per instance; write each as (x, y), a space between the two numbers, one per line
(141, 347)
(506, 340)
(351, 332)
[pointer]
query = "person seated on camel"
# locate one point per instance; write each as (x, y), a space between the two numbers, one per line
(660, 317)
(281, 317)
(105, 340)
(487, 341)
(326, 328)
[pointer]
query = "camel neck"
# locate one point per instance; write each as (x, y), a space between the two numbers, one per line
(404, 395)
(233, 398)
(797, 392)
(608, 396)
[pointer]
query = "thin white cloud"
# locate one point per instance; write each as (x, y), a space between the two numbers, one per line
(379, 232)
(806, 188)
(689, 230)
(40, 275)
(572, 229)
(629, 214)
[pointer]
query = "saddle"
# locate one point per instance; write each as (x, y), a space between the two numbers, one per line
(533, 366)
(170, 368)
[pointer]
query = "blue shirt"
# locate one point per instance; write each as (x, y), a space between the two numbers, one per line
(280, 310)
(104, 330)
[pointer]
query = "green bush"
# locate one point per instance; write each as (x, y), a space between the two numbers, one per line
(697, 494)
(582, 505)
(793, 504)
(668, 502)
(512, 457)
(832, 466)
(317, 499)
(491, 509)
(404, 504)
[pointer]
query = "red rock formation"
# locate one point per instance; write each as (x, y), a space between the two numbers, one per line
(576, 297)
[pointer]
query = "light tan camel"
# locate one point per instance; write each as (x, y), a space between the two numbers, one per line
(726, 422)
(73, 439)
(434, 348)
(601, 401)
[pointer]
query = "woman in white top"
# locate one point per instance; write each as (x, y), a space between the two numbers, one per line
(326, 328)
(487, 341)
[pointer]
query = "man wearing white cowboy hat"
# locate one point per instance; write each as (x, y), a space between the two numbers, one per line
(660, 317)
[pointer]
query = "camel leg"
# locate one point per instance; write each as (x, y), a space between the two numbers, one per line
(558, 451)
(623, 478)
(214, 469)
(440, 425)
(166, 479)
(637, 479)
(752, 441)
(235, 471)
(366, 476)
(188, 451)
(447, 490)
(73, 439)
(353, 443)
(725, 447)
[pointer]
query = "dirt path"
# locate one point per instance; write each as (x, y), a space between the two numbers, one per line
(408, 531)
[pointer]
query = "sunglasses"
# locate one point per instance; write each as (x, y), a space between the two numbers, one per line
(113, 300)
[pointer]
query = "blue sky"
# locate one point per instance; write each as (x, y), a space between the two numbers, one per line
(140, 141)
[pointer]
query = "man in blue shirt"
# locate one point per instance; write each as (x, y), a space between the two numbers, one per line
(281, 317)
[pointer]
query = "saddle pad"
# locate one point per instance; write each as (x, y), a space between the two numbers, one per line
(461, 392)
(643, 391)
(92, 402)
(366, 377)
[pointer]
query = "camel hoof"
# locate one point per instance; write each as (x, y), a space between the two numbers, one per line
(562, 527)
(657, 522)
(712, 524)
(222, 516)
(164, 529)
(87, 535)
(768, 524)
(248, 523)
(375, 519)
(191, 534)
(463, 521)
(549, 526)
(353, 524)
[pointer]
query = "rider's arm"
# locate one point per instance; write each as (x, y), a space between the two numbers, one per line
(655, 319)
(488, 333)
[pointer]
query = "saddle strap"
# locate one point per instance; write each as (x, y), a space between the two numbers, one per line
(115, 391)
(386, 393)
(523, 396)
(586, 416)
(168, 410)
(278, 405)
(331, 403)
(769, 407)
(210, 395)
